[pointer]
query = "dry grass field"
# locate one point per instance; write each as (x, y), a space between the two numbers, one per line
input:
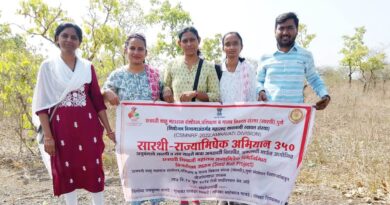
(350, 152)
(347, 162)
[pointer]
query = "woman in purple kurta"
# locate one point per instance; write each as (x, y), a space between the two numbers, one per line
(67, 90)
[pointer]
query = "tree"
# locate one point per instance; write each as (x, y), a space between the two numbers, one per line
(18, 68)
(211, 48)
(384, 75)
(375, 62)
(44, 19)
(171, 19)
(354, 51)
(106, 27)
(304, 39)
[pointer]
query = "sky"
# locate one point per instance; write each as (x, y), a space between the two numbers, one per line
(254, 20)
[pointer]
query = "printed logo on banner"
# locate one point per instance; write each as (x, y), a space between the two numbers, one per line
(296, 115)
(133, 115)
(219, 113)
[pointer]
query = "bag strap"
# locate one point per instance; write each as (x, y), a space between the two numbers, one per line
(218, 70)
(195, 87)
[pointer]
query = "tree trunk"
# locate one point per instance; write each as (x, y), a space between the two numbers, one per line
(373, 78)
(350, 76)
(365, 80)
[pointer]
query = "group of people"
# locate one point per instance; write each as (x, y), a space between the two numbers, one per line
(71, 109)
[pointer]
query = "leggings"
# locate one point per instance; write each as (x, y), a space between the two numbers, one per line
(71, 198)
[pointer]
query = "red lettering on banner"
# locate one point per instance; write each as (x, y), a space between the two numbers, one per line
(202, 145)
(161, 145)
(245, 142)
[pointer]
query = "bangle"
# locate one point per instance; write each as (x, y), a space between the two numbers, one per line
(109, 133)
(327, 96)
(47, 138)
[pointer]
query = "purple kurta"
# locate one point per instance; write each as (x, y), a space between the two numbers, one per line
(77, 132)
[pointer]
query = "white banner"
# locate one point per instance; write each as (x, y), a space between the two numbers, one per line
(250, 153)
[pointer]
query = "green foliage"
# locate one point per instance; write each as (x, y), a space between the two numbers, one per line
(304, 39)
(43, 18)
(171, 19)
(358, 57)
(354, 51)
(212, 49)
(374, 62)
(106, 27)
(18, 68)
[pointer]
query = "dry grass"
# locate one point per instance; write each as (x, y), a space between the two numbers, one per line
(350, 150)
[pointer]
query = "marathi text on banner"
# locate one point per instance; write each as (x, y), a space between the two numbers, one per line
(248, 153)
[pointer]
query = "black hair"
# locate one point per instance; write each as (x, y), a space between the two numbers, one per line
(193, 31)
(286, 16)
(239, 37)
(137, 36)
(189, 29)
(234, 33)
(63, 26)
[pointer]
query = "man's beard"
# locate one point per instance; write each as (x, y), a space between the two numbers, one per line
(286, 44)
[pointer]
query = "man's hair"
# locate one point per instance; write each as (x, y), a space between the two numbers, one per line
(286, 16)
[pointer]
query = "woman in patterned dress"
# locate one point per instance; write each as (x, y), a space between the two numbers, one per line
(238, 81)
(179, 76)
(67, 89)
(135, 81)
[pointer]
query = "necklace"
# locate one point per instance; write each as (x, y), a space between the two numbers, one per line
(69, 62)
(74, 66)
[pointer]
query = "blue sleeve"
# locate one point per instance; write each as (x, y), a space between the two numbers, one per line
(260, 77)
(314, 79)
(111, 82)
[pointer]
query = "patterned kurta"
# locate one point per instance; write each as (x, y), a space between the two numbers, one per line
(77, 132)
(240, 85)
(181, 79)
(129, 86)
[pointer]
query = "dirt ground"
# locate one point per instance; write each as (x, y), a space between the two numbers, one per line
(33, 186)
(26, 181)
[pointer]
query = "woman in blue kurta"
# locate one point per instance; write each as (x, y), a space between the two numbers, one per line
(135, 81)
